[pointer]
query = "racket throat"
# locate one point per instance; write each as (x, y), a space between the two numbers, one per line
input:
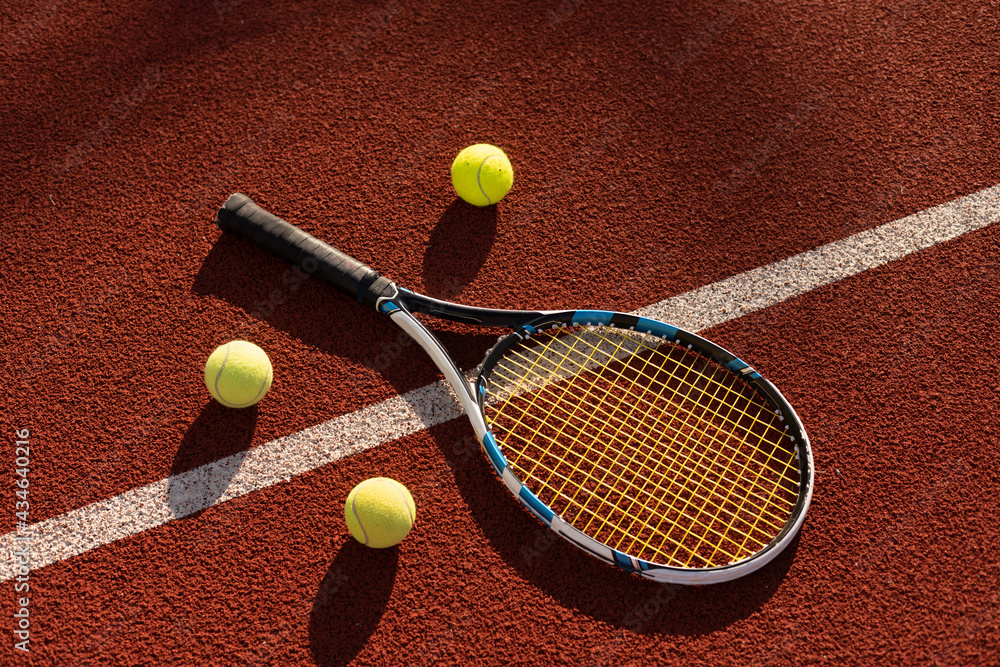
(464, 389)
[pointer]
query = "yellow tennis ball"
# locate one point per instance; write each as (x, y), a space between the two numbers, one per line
(238, 374)
(379, 512)
(482, 174)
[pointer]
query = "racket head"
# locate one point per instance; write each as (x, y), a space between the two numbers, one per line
(645, 445)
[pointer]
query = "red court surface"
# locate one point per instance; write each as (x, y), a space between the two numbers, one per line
(658, 148)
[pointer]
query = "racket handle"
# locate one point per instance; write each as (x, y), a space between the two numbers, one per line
(243, 218)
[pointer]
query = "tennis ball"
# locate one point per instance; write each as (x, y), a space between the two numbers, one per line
(379, 512)
(238, 374)
(482, 174)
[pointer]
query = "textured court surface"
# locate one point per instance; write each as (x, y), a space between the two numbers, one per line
(811, 185)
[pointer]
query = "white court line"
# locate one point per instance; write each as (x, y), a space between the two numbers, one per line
(145, 508)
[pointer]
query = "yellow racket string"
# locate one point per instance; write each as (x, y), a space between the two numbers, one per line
(777, 432)
(624, 496)
(682, 541)
(567, 478)
(590, 405)
(646, 466)
(776, 489)
(590, 419)
(594, 513)
(630, 529)
(725, 470)
(634, 500)
(555, 440)
(595, 405)
(696, 517)
(742, 500)
(529, 409)
(632, 460)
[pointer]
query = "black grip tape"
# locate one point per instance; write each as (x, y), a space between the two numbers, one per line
(243, 218)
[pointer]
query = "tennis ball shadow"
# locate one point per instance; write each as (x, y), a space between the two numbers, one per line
(458, 247)
(350, 602)
(579, 580)
(219, 436)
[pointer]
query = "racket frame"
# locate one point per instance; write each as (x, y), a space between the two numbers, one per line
(692, 341)
(240, 216)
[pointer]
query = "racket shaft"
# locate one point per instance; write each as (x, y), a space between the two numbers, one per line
(242, 217)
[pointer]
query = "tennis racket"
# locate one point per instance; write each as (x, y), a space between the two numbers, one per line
(642, 444)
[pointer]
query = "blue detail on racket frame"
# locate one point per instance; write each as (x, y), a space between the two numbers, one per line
(591, 317)
(496, 457)
(387, 307)
(537, 507)
(657, 328)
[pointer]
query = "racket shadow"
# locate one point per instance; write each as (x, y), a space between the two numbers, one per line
(287, 299)
(350, 602)
(579, 581)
